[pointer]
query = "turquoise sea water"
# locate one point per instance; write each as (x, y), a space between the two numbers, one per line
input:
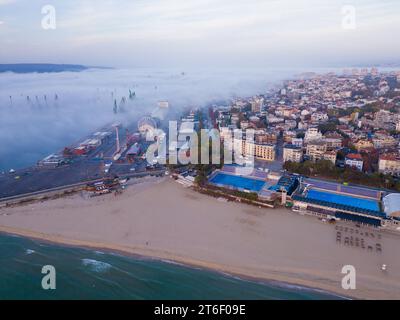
(90, 274)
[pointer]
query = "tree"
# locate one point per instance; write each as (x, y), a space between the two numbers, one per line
(300, 135)
(326, 127)
(200, 179)
(340, 155)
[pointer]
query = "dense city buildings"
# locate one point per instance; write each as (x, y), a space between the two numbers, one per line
(350, 119)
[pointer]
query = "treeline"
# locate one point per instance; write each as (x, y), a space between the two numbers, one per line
(214, 190)
(326, 169)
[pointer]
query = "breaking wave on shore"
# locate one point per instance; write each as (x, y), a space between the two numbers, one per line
(81, 275)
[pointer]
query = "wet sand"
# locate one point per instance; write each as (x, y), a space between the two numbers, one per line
(162, 219)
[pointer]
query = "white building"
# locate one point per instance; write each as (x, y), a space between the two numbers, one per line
(354, 160)
(389, 164)
(163, 104)
(292, 153)
(312, 134)
(398, 125)
(298, 142)
(319, 117)
(260, 151)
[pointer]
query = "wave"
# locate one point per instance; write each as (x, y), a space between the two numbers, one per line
(29, 251)
(299, 288)
(173, 262)
(284, 286)
(97, 266)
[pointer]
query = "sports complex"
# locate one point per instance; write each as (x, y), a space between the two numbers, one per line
(267, 185)
(330, 200)
(341, 202)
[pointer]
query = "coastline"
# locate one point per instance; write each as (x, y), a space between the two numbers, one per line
(166, 257)
(232, 238)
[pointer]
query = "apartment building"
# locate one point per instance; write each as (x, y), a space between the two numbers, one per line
(312, 134)
(318, 150)
(257, 104)
(292, 153)
(384, 141)
(389, 164)
(354, 160)
(261, 151)
(363, 144)
(330, 156)
(333, 141)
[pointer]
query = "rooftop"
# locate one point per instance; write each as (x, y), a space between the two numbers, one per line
(291, 146)
(392, 204)
(389, 157)
(354, 156)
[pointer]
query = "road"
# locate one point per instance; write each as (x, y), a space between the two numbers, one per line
(27, 189)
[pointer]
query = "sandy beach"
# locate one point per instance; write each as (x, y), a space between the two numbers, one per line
(162, 219)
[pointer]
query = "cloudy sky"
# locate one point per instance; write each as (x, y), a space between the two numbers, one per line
(200, 32)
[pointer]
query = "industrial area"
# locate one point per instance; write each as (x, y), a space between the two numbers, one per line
(100, 162)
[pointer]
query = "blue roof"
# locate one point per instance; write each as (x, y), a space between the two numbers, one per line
(368, 204)
(339, 206)
(287, 182)
(361, 219)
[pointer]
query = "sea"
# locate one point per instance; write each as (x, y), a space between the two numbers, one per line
(92, 274)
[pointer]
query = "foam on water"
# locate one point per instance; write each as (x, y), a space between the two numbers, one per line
(84, 275)
(95, 265)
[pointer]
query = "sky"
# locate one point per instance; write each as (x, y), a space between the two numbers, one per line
(202, 33)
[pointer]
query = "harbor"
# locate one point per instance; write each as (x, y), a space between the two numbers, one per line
(114, 151)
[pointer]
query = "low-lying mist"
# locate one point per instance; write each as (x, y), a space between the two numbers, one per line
(42, 113)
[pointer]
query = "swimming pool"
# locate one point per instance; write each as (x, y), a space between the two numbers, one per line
(238, 182)
(366, 204)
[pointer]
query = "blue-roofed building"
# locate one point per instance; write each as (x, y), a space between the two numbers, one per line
(287, 183)
(336, 203)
